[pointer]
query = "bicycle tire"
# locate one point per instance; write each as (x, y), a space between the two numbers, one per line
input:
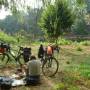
(44, 67)
(4, 59)
(20, 60)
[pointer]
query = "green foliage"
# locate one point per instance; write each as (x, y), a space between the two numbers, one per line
(64, 86)
(88, 6)
(79, 48)
(80, 2)
(71, 87)
(79, 8)
(13, 5)
(85, 43)
(56, 19)
(48, 19)
(60, 86)
(4, 2)
(79, 27)
(10, 24)
(7, 38)
(84, 68)
(82, 43)
(13, 24)
(63, 41)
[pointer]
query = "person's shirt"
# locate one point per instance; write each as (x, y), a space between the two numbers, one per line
(34, 67)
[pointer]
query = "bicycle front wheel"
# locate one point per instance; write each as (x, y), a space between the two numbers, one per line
(50, 67)
(4, 59)
(20, 60)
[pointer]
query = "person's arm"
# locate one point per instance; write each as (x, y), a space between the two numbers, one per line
(25, 69)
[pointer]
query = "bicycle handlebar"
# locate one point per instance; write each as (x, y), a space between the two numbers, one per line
(21, 48)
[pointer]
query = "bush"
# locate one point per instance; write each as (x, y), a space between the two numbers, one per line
(71, 87)
(7, 38)
(64, 42)
(60, 86)
(79, 48)
(85, 43)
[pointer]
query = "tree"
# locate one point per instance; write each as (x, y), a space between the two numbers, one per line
(88, 5)
(46, 3)
(79, 8)
(79, 28)
(14, 6)
(56, 19)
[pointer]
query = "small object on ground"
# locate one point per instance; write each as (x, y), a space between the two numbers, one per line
(18, 82)
(5, 83)
(14, 76)
(68, 62)
(17, 76)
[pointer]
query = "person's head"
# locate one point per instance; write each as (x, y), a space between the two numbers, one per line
(41, 45)
(50, 44)
(33, 57)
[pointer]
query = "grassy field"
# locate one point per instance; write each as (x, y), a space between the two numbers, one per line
(74, 68)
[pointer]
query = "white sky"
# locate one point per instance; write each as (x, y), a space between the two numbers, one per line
(3, 13)
(32, 3)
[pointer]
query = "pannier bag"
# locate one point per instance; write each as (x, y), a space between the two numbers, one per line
(2, 50)
(49, 50)
(26, 54)
(5, 83)
(4, 47)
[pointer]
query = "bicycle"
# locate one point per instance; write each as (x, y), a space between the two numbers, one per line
(50, 65)
(9, 56)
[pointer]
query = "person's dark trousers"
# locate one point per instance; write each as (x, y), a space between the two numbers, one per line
(33, 80)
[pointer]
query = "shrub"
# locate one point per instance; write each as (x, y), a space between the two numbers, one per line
(64, 42)
(85, 43)
(60, 86)
(71, 87)
(79, 48)
(7, 38)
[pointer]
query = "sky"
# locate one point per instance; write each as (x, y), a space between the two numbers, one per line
(32, 3)
(4, 13)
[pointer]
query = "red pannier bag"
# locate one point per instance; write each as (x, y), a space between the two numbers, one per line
(2, 50)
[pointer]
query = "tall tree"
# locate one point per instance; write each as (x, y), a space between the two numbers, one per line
(56, 19)
(79, 27)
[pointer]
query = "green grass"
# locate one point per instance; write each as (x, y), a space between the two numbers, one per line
(74, 69)
(7, 38)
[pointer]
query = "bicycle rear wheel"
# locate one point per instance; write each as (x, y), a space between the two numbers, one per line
(50, 67)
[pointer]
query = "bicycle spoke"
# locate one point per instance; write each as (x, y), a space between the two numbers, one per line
(50, 67)
(20, 59)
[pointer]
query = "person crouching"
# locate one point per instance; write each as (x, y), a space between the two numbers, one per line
(33, 71)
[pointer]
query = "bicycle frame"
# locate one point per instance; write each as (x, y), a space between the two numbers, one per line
(18, 53)
(9, 53)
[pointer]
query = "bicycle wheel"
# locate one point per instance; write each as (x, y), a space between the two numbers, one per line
(50, 67)
(4, 59)
(20, 59)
